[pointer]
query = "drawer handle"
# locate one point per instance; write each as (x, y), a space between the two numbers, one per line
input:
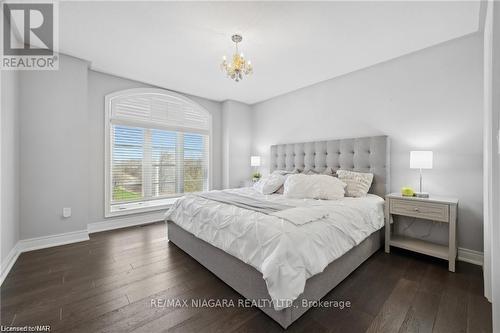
(416, 209)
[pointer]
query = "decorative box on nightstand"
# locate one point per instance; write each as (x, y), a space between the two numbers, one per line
(439, 209)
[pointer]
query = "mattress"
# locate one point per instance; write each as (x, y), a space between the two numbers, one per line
(286, 254)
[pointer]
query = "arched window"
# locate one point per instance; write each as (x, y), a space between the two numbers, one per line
(157, 148)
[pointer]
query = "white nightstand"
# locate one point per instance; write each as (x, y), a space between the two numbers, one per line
(437, 209)
(247, 183)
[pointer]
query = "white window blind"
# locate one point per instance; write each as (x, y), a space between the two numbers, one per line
(158, 148)
(160, 110)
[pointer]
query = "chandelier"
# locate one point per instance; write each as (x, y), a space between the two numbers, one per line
(239, 66)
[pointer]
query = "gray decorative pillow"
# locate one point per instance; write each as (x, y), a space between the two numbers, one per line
(280, 190)
(284, 173)
(310, 172)
(330, 172)
(358, 183)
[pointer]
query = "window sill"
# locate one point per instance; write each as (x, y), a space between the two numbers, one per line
(140, 207)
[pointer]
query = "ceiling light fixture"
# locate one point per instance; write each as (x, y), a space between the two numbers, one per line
(239, 66)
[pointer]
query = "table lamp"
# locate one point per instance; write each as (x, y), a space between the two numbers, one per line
(255, 161)
(421, 160)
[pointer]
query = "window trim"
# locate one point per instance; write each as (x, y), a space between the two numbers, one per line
(108, 211)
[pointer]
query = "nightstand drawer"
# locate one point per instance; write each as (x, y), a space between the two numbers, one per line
(424, 210)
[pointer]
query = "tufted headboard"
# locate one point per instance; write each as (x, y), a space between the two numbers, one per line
(370, 154)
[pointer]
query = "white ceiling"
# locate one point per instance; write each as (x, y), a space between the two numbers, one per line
(179, 46)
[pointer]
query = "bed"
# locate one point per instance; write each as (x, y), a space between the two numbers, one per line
(289, 265)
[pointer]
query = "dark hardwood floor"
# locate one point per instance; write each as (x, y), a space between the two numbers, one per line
(107, 284)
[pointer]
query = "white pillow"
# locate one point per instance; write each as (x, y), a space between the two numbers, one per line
(314, 187)
(269, 184)
(358, 183)
(285, 173)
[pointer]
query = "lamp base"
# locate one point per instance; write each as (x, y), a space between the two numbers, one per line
(422, 194)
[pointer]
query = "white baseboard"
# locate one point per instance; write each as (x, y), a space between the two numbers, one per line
(38, 243)
(470, 256)
(124, 222)
(43, 242)
(9, 261)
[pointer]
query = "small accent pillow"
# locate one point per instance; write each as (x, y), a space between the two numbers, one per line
(310, 172)
(358, 183)
(314, 187)
(328, 171)
(285, 173)
(281, 189)
(269, 184)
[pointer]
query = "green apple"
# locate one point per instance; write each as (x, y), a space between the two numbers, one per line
(407, 191)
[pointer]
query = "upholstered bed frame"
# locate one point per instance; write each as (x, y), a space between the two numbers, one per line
(370, 154)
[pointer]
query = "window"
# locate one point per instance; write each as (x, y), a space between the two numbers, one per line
(157, 148)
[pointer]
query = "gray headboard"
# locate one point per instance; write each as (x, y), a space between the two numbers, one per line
(370, 154)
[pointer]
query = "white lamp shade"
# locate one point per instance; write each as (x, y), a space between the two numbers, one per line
(255, 161)
(421, 159)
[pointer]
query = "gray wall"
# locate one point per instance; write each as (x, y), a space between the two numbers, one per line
(428, 100)
(9, 227)
(54, 149)
(236, 143)
(99, 85)
(62, 146)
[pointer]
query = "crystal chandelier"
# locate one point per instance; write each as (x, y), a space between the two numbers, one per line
(239, 65)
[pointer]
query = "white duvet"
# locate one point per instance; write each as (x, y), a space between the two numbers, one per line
(285, 253)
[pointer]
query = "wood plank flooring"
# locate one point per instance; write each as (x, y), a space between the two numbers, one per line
(107, 285)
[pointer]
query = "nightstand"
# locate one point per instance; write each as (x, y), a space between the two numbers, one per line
(437, 209)
(247, 183)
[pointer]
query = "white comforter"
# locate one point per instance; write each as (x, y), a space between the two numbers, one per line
(286, 254)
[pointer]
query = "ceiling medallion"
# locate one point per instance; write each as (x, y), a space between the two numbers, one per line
(239, 66)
